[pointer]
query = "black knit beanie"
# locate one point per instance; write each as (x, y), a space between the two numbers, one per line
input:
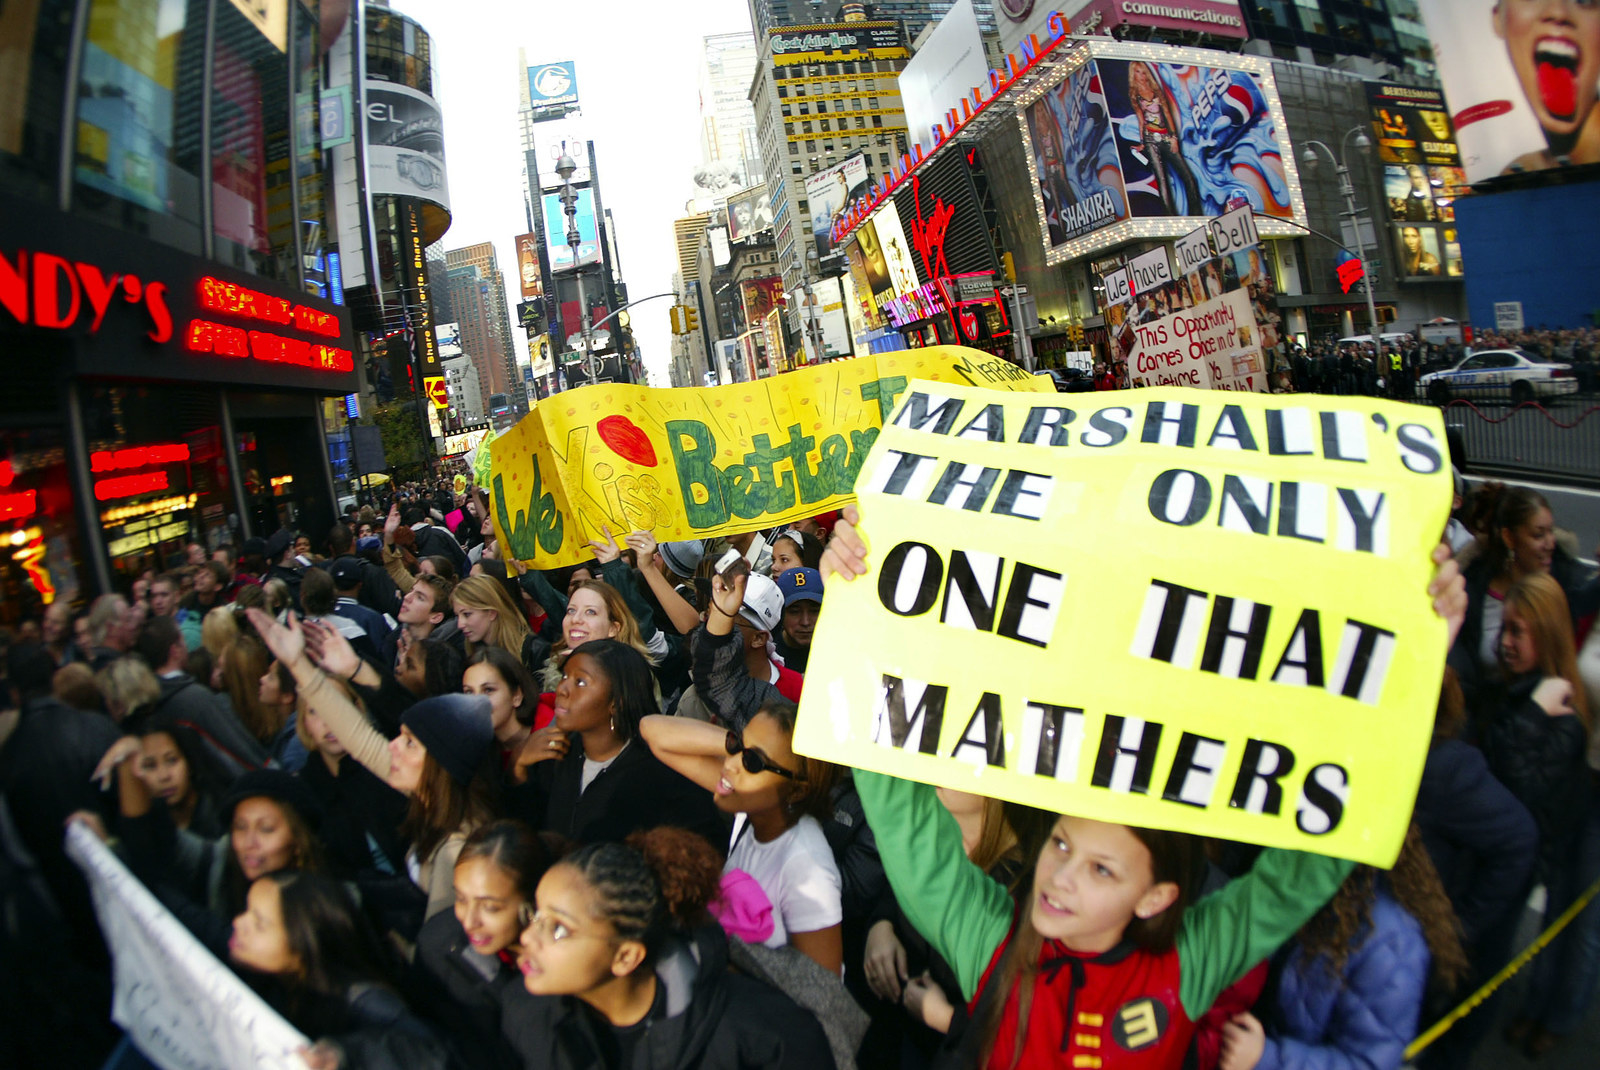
(280, 787)
(457, 730)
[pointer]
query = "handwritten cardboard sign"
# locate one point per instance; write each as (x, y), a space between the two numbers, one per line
(1169, 608)
(1216, 345)
(183, 1008)
(697, 462)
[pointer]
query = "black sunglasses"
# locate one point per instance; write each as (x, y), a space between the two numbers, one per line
(755, 761)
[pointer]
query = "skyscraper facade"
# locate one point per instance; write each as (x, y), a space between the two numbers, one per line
(478, 296)
(727, 120)
(914, 15)
(823, 95)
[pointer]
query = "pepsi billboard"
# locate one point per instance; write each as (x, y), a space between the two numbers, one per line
(1122, 143)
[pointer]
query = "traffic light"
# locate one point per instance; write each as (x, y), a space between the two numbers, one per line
(676, 312)
(691, 319)
(1010, 264)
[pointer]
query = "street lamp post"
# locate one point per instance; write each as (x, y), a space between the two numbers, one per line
(565, 167)
(1347, 188)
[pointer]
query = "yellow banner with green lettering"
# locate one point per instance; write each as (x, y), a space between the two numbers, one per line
(698, 462)
(1186, 609)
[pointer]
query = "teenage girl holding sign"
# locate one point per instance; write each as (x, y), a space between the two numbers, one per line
(1106, 961)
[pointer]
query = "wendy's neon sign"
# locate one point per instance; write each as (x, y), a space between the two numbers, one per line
(44, 290)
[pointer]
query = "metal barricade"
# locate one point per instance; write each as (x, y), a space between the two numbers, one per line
(1560, 442)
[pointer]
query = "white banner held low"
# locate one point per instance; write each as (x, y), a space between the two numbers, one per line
(183, 1008)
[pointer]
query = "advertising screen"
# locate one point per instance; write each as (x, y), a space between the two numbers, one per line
(828, 192)
(555, 136)
(449, 338)
(831, 44)
(1194, 141)
(760, 297)
(1171, 143)
(946, 67)
(528, 266)
(1080, 182)
(1521, 78)
(553, 86)
(749, 213)
(1427, 252)
(405, 144)
(896, 250)
(555, 231)
(1422, 177)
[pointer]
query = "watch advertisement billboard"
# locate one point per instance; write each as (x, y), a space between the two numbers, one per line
(555, 231)
(828, 191)
(1521, 78)
(405, 144)
(528, 267)
(1122, 139)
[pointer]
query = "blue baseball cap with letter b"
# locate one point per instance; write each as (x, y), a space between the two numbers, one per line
(800, 585)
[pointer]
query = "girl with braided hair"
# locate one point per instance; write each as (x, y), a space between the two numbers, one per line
(622, 965)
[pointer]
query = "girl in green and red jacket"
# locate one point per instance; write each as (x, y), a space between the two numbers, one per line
(1104, 962)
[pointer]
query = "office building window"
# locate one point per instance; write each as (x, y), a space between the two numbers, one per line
(136, 160)
(1312, 19)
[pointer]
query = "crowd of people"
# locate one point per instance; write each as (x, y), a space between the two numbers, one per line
(443, 810)
(1394, 369)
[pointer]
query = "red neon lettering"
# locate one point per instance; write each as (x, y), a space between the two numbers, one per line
(128, 486)
(16, 506)
(314, 321)
(14, 286)
(207, 337)
(48, 270)
(138, 457)
(236, 300)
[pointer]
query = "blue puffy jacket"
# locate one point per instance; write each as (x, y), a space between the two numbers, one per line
(1362, 1019)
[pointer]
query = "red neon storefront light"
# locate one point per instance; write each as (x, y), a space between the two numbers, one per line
(232, 299)
(17, 506)
(127, 486)
(138, 457)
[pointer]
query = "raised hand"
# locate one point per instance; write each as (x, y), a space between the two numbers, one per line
(846, 555)
(642, 543)
(330, 650)
(287, 641)
(605, 550)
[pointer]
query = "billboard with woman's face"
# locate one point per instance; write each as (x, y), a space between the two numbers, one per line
(1191, 137)
(1194, 141)
(1080, 183)
(1522, 81)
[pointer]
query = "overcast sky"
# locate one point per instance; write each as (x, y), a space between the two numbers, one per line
(638, 63)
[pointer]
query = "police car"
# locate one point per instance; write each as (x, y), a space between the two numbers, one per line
(1500, 373)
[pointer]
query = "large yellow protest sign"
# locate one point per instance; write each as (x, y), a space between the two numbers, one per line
(697, 462)
(1185, 609)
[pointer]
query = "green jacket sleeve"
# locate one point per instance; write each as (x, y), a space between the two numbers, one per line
(619, 574)
(1227, 933)
(950, 901)
(552, 601)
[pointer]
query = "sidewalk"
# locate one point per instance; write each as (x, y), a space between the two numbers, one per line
(1581, 1051)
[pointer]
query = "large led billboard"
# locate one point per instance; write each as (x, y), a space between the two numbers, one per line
(1128, 147)
(1522, 79)
(555, 231)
